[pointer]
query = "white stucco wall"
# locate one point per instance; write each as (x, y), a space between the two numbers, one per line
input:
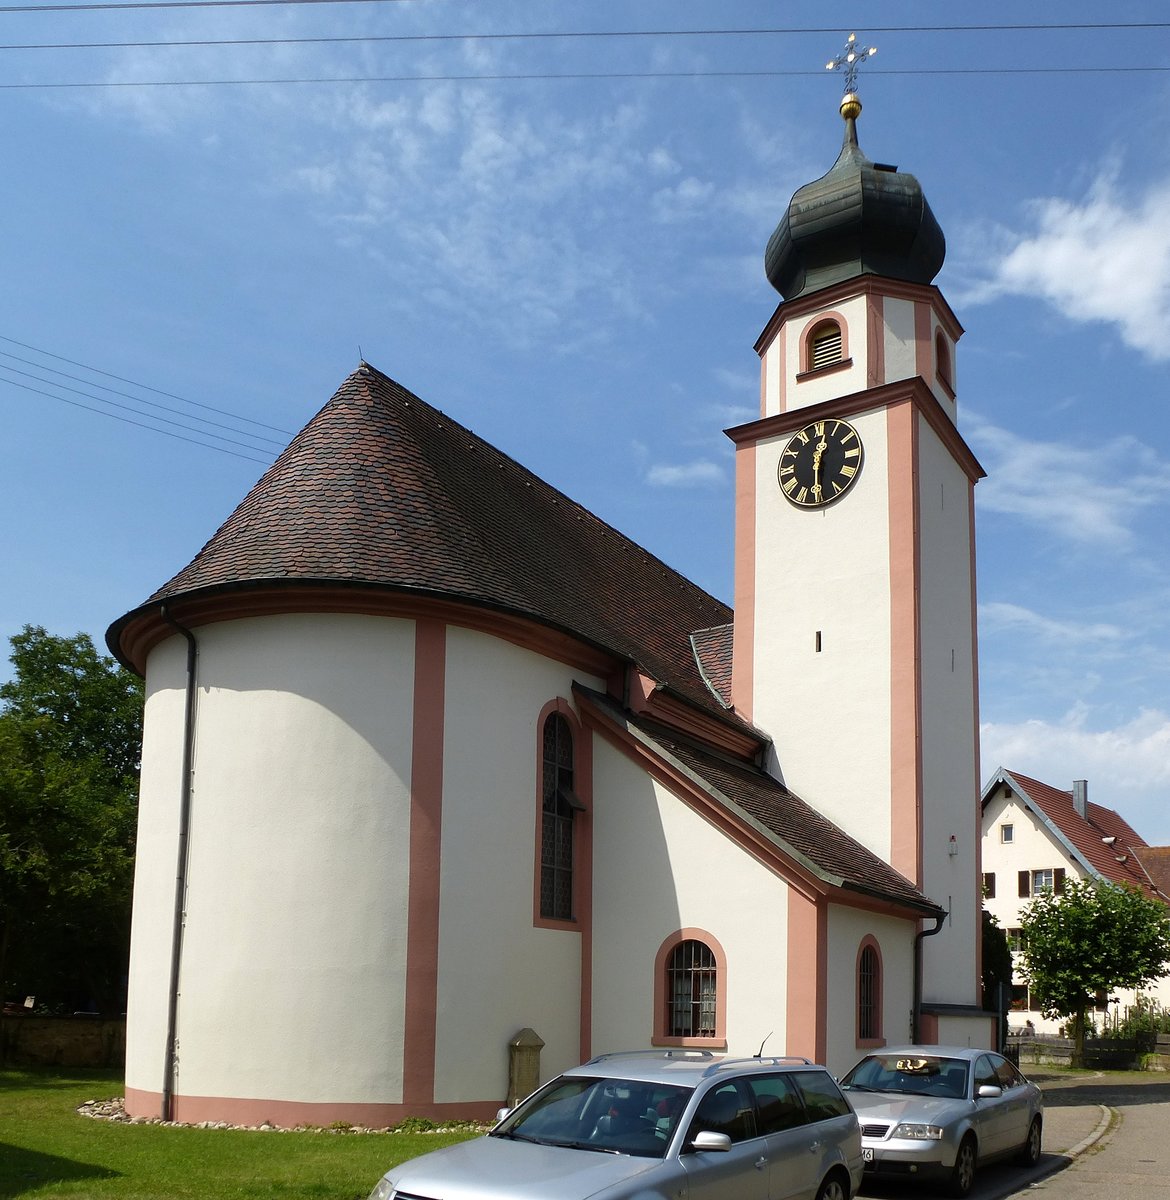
(950, 769)
(848, 927)
(660, 867)
(827, 571)
(497, 973)
(297, 866)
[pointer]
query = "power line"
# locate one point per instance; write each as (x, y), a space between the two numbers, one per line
(141, 424)
(223, 412)
(568, 75)
(564, 35)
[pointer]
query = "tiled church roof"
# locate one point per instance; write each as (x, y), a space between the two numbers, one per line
(382, 489)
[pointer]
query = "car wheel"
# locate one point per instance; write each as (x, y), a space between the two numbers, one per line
(834, 1187)
(963, 1172)
(1029, 1154)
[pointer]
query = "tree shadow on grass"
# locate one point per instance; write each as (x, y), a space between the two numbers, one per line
(23, 1170)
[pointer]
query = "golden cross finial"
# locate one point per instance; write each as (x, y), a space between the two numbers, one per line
(851, 58)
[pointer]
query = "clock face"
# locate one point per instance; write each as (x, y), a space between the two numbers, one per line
(820, 463)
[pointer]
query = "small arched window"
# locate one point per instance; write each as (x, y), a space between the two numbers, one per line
(942, 362)
(869, 993)
(691, 991)
(826, 345)
(558, 804)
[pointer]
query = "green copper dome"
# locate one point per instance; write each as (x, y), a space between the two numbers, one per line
(861, 218)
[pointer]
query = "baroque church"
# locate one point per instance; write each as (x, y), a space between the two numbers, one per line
(436, 760)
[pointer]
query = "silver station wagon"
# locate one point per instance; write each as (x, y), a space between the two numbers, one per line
(656, 1124)
(937, 1112)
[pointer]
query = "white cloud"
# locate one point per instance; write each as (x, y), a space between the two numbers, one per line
(703, 473)
(1128, 766)
(1106, 259)
(1084, 494)
(998, 616)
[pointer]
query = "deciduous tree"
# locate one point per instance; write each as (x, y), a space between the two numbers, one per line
(70, 739)
(1095, 936)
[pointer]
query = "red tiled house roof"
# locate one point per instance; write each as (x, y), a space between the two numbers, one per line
(1118, 859)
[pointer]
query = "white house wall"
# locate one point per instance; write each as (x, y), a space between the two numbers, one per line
(661, 868)
(507, 974)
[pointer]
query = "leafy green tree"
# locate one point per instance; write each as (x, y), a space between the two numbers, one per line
(1095, 936)
(70, 741)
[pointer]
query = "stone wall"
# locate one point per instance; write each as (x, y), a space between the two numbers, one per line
(28, 1041)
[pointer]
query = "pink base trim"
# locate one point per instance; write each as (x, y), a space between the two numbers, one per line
(289, 1114)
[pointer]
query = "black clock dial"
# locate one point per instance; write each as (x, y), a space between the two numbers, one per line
(820, 463)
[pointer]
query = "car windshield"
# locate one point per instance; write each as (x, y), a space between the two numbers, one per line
(915, 1075)
(615, 1116)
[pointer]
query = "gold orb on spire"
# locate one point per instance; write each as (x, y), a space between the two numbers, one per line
(850, 106)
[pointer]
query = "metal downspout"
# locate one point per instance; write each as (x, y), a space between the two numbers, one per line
(168, 1091)
(916, 1015)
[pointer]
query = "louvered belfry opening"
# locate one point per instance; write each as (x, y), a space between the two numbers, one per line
(826, 345)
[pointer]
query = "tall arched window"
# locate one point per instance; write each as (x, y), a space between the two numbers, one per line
(869, 994)
(558, 803)
(691, 991)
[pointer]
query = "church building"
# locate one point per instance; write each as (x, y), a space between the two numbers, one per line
(434, 758)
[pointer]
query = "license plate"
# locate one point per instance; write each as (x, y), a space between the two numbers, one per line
(867, 1155)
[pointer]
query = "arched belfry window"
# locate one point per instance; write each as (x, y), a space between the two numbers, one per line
(691, 990)
(942, 362)
(869, 994)
(825, 345)
(559, 805)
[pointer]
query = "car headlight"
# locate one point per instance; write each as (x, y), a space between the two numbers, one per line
(383, 1190)
(922, 1133)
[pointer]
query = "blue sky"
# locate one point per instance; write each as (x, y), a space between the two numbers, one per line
(573, 268)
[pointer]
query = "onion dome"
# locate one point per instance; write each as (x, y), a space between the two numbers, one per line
(861, 218)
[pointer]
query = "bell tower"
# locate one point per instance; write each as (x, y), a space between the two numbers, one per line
(855, 639)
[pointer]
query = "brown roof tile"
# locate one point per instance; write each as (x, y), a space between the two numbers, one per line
(382, 489)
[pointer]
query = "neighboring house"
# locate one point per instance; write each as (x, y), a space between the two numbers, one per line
(443, 758)
(1035, 838)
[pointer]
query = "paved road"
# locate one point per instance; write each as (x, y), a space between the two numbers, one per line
(1106, 1137)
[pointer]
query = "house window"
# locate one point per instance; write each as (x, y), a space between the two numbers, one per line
(558, 804)
(825, 345)
(869, 993)
(1050, 879)
(1020, 1002)
(988, 885)
(1015, 939)
(1007, 833)
(691, 992)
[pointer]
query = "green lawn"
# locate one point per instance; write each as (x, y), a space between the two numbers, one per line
(48, 1151)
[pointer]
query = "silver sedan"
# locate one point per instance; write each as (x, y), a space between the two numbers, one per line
(937, 1112)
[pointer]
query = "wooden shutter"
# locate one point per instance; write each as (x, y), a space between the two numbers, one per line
(1058, 881)
(1025, 883)
(989, 885)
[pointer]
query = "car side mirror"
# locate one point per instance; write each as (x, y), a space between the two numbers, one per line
(710, 1140)
(501, 1114)
(988, 1091)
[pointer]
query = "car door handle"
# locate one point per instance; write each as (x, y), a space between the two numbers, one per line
(760, 1163)
(814, 1147)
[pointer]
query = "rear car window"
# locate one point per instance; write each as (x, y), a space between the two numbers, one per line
(778, 1103)
(822, 1097)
